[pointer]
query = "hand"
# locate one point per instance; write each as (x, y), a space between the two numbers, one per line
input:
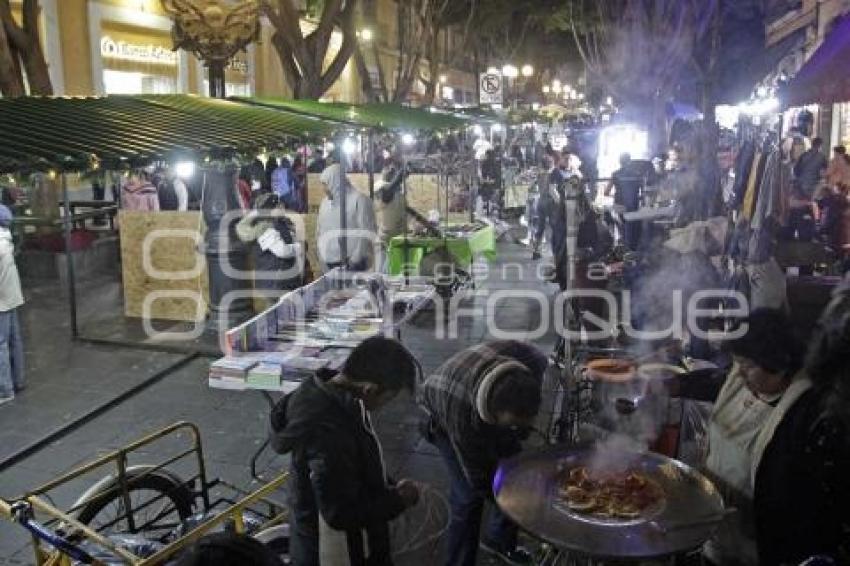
(409, 492)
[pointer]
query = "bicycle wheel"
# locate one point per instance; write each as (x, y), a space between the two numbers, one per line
(159, 503)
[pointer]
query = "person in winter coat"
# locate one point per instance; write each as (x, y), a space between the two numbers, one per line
(278, 258)
(11, 339)
(283, 184)
(172, 192)
(778, 445)
(341, 497)
(299, 178)
(139, 193)
(391, 200)
(491, 179)
(480, 404)
(360, 225)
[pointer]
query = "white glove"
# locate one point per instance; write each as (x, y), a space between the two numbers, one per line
(284, 250)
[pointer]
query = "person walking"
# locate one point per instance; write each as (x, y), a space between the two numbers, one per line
(11, 340)
(480, 404)
(627, 183)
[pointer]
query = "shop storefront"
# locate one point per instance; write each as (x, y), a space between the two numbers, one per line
(138, 61)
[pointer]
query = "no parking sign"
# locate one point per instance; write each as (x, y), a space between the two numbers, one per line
(490, 88)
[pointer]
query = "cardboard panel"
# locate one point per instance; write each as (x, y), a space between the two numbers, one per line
(172, 248)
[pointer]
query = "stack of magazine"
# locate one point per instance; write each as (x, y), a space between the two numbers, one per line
(230, 372)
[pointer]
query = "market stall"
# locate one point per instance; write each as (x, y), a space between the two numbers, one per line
(315, 326)
(463, 242)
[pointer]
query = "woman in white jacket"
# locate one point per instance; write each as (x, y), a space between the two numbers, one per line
(359, 232)
(11, 344)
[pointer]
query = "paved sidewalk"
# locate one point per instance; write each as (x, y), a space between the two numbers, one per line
(67, 379)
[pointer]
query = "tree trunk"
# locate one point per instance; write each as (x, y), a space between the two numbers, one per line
(36, 69)
(11, 82)
(365, 78)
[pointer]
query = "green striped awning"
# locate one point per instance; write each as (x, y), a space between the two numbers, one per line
(381, 116)
(75, 134)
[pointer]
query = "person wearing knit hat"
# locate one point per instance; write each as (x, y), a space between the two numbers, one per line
(11, 344)
(481, 403)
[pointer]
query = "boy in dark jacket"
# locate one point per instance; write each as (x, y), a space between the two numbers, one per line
(338, 474)
(480, 404)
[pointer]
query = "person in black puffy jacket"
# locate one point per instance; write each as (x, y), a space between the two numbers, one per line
(339, 482)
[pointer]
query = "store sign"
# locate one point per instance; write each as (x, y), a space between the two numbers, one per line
(111, 49)
(491, 88)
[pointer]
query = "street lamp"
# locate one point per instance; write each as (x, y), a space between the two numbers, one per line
(365, 35)
(214, 32)
(556, 87)
(546, 89)
(527, 70)
(443, 79)
(510, 71)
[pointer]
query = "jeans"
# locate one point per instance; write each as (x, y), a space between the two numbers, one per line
(11, 354)
(467, 506)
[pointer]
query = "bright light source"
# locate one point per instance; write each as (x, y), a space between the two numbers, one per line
(556, 84)
(527, 70)
(510, 71)
(366, 34)
(493, 71)
(581, 96)
(477, 130)
(443, 78)
(349, 146)
(535, 106)
(496, 127)
(609, 101)
(619, 139)
(185, 169)
(546, 89)
(448, 92)
(760, 107)
(408, 139)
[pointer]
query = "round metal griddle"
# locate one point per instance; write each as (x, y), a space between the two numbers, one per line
(526, 490)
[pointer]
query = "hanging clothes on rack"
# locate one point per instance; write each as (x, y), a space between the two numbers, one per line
(774, 192)
(753, 183)
(742, 168)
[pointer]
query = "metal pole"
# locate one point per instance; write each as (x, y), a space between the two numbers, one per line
(343, 243)
(306, 177)
(69, 260)
(406, 254)
(371, 164)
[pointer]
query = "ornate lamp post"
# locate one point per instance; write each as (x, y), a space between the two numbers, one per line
(214, 30)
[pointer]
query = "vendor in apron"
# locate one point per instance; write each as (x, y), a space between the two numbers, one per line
(763, 384)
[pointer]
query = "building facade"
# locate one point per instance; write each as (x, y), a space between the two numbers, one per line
(97, 47)
(813, 20)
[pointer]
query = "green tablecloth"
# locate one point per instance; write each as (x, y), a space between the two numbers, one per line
(464, 249)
